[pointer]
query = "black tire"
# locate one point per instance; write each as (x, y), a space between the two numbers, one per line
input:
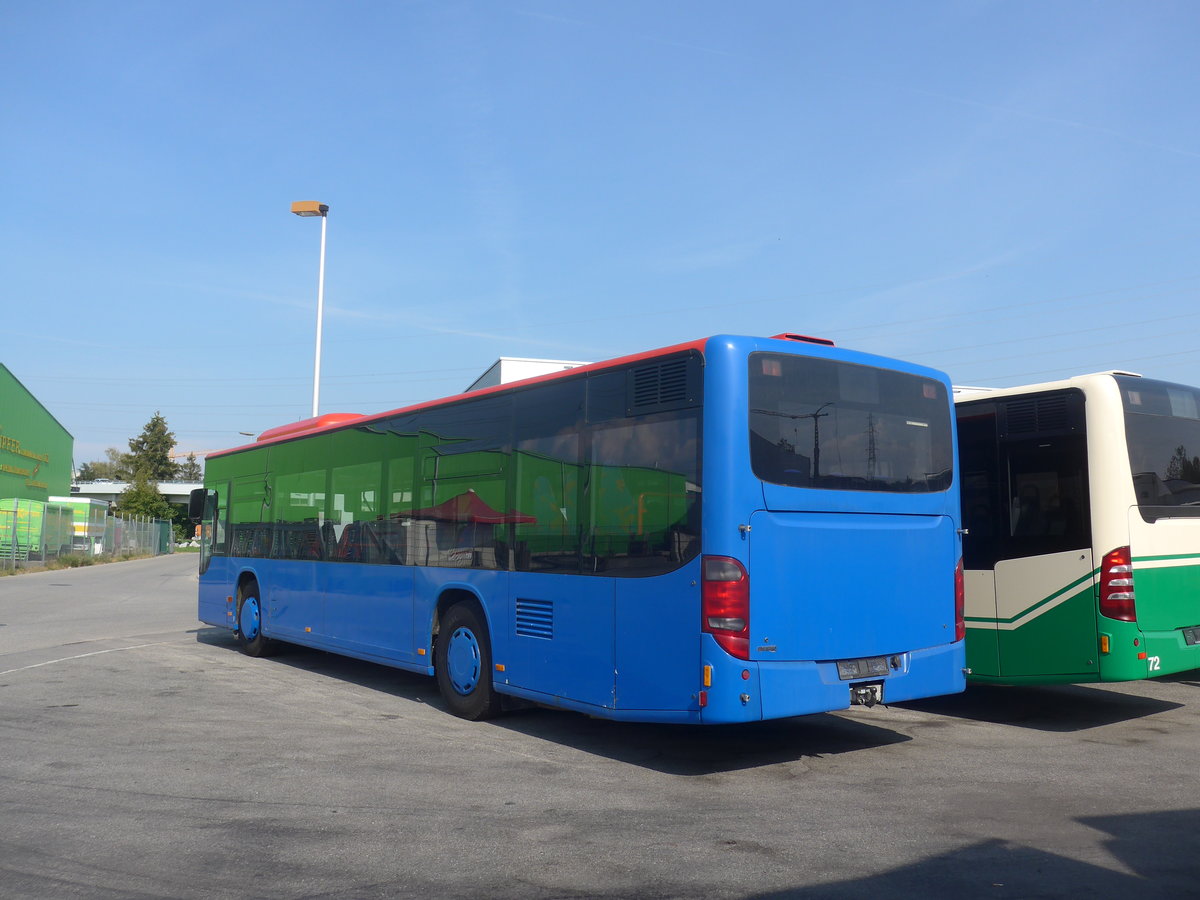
(249, 632)
(462, 659)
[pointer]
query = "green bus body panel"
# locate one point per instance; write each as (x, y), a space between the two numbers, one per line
(983, 652)
(1060, 643)
(1167, 600)
(1125, 643)
(1067, 637)
(1167, 597)
(1057, 646)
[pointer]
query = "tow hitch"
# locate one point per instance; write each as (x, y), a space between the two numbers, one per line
(866, 694)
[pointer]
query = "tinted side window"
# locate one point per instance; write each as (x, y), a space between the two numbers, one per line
(642, 494)
(546, 477)
(463, 517)
(1025, 486)
(356, 494)
(1162, 428)
(984, 512)
(299, 507)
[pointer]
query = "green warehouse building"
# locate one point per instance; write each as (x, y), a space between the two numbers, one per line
(35, 450)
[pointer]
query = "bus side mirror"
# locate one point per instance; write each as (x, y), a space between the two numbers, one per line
(196, 501)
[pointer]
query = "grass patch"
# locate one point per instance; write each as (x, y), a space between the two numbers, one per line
(73, 561)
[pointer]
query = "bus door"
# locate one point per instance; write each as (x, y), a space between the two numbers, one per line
(368, 589)
(1026, 510)
(559, 636)
(981, 506)
(208, 508)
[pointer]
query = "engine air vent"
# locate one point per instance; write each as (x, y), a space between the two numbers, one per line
(535, 618)
(664, 385)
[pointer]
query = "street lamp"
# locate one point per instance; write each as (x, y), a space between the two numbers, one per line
(308, 208)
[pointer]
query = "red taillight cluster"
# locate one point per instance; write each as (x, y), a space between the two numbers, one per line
(960, 620)
(725, 604)
(1116, 586)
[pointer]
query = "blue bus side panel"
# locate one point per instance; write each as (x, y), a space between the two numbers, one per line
(217, 584)
(558, 637)
(488, 587)
(658, 646)
(293, 595)
(370, 608)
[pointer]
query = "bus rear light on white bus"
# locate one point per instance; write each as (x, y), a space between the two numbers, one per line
(1116, 586)
(725, 604)
(960, 617)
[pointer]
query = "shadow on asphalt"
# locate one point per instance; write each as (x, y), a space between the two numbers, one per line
(1060, 708)
(703, 750)
(1191, 678)
(1158, 851)
(672, 749)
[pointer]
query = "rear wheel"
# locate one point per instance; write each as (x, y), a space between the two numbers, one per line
(250, 637)
(462, 659)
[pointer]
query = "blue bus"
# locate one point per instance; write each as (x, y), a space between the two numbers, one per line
(726, 530)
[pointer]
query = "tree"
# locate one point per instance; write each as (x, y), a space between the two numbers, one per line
(142, 498)
(92, 471)
(118, 467)
(150, 451)
(190, 470)
(1183, 466)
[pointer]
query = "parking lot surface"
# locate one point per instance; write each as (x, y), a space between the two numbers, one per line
(143, 756)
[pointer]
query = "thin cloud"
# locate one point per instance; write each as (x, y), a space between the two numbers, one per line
(1053, 120)
(646, 38)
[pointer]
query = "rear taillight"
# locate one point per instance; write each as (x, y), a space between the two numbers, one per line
(725, 604)
(960, 620)
(1116, 586)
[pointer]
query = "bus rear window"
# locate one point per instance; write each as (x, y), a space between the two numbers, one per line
(1162, 429)
(820, 423)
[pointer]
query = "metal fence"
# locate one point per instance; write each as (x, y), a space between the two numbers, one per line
(53, 536)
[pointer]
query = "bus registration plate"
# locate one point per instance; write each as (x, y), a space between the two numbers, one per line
(871, 667)
(1191, 635)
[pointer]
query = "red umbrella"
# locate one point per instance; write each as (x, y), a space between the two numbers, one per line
(468, 507)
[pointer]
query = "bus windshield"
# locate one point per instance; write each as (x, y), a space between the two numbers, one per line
(1162, 429)
(821, 423)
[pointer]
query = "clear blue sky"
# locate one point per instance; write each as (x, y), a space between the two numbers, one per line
(1007, 191)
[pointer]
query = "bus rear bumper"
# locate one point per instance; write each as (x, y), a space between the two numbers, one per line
(802, 688)
(1165, 653)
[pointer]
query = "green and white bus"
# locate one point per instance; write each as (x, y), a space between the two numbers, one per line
(1081, 501)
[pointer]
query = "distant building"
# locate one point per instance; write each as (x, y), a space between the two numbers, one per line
(173, 491)
(35, 449)
(509, 368)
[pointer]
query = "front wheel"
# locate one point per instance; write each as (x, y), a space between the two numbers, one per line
(249, 631)
(462, 658)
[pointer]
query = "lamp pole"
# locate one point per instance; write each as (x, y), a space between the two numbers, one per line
(308, 208)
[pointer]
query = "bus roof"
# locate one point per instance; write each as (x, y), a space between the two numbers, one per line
(333, 421)
(963, 393)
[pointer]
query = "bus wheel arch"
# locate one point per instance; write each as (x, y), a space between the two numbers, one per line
(462, 656)
(249, 615)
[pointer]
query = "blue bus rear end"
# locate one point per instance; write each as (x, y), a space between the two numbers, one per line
(829, 479)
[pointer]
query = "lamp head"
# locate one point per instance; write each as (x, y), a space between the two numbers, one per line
(309, 208)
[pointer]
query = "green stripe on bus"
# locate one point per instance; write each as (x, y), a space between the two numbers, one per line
(1038, 605)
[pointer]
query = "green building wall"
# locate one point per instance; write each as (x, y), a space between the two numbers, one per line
(35, 450)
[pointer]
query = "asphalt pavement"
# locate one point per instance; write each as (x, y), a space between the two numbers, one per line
(141, 755)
